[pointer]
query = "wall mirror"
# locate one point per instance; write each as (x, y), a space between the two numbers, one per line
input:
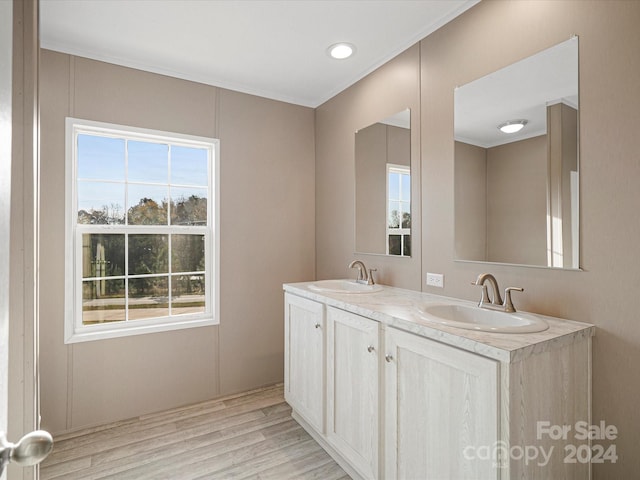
(383, 186)
(516, 194)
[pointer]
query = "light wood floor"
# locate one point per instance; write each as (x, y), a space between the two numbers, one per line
(242, 436)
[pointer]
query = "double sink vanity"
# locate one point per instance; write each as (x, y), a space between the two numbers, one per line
(399, 384)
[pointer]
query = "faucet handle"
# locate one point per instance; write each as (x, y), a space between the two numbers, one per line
(370, 280)
(508, 304)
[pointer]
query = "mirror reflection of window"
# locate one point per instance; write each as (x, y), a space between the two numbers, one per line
(398, 210)
(379, 202)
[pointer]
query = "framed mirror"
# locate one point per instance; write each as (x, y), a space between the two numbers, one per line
(516, 163)
(383, 186)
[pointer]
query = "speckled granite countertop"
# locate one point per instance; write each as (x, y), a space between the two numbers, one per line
(396, 307)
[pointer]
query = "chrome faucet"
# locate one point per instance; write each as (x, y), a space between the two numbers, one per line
(495, 301)
(363, 276)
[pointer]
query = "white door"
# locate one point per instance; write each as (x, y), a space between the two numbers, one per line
(18, 386)
(352, 389)
(441, 410)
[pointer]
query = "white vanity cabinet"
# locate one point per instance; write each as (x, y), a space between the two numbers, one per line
(440, 403)
(304, 354)
(353, 389)
(391, 398)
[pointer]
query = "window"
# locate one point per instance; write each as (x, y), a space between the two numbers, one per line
(398, 210)
(141, 243)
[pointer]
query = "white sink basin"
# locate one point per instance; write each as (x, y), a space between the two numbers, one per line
(343, 286)
(475, 318)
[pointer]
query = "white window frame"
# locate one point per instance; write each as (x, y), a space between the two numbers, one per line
(74, 330)
(402, 170)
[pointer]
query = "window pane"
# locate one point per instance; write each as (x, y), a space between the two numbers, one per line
(406, 217)
(100, 158)
(394, 244)
(189, 166)
(102, 255)
(187, 294)
(189, 206)
(187, 253)
(394, 215)
(103, 301)
(148, 297)
(147, 205)
(100, 203)
(406, 239)
(394, 186)
(406, 188)
(148, 254)
(148, 162)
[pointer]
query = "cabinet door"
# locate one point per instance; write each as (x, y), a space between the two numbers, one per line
(353, 370)
(304, 364)
(441, 406)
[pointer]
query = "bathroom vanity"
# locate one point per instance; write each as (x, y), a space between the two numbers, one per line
(392, 394)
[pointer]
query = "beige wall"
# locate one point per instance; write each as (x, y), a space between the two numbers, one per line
(503, 194)
(501, 202)
(470, 47)
(471, 202)
(517, 202)
(388, 90)
(267, 231)
(267, 238)
(371, 199)
(474, 45)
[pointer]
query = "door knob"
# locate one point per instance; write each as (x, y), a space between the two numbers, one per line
(30, 449)
(388, 357)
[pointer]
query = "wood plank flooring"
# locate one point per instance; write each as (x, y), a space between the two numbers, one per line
(246, 436)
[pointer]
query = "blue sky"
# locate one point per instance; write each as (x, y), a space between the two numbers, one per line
(103, 171)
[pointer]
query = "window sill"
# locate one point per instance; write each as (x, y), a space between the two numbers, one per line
(117, 330)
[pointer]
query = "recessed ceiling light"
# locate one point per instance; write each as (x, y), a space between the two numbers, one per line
(512, 126)
(341, 51)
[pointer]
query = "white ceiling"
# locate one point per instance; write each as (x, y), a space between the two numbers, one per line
(275, 49)
(522, 90)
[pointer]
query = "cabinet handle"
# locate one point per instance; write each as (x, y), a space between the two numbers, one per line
(388, 357)
(370, 348)
(317, 325)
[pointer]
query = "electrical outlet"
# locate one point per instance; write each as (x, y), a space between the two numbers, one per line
(435, 280)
